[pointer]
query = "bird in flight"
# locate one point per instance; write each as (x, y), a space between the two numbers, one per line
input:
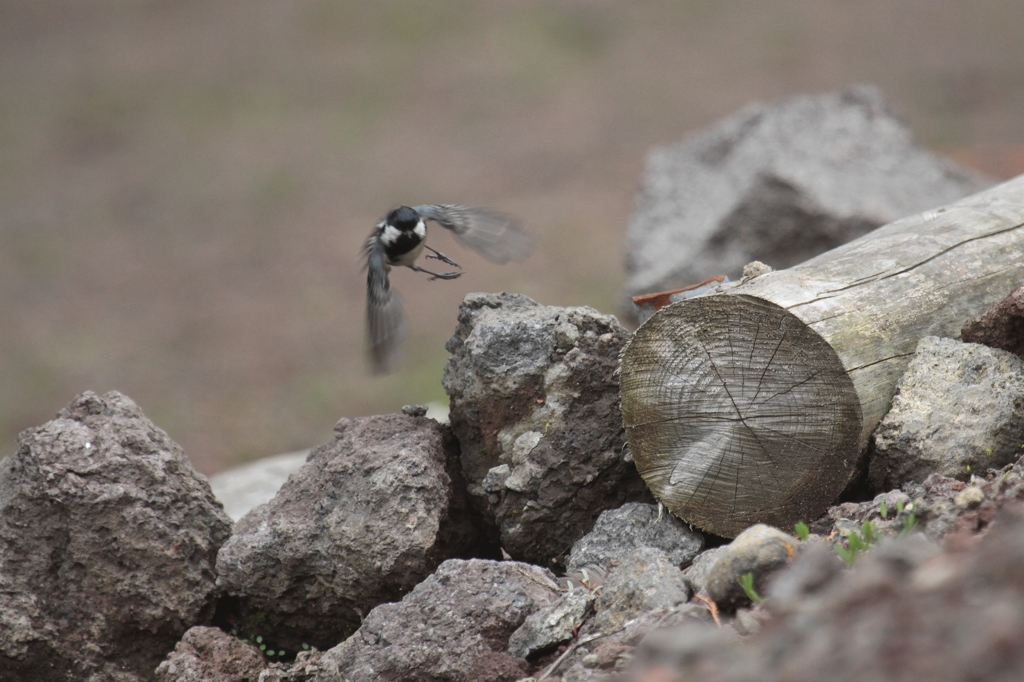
(400, 239)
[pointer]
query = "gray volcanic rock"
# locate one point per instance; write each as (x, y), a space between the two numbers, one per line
(365, 519)
(645, 581)
(108, 540)
(1001, 326)
(780, 183)
(633, 525)
(958, 409)
(208, 654)
(535, 406)
(454, 626)
(551, 625)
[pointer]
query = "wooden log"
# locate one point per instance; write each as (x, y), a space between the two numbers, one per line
(754, 404)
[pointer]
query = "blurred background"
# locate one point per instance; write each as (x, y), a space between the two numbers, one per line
(185, 185)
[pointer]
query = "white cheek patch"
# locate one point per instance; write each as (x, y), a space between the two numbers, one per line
(390, 234)
(420, 229)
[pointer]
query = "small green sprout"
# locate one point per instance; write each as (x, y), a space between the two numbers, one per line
(305, 647)
(857, 543)
(259, 639)
(271, 653)
(908, 525)
(899, 506)
(746, 581)
(883, 509)
(868, 530)
(802, 531)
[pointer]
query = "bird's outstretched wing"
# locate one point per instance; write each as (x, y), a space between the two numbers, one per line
(496, 236)
(385, 320)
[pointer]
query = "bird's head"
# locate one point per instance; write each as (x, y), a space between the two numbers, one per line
(404, 218)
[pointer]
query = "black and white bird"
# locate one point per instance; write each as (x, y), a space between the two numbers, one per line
(400, 239)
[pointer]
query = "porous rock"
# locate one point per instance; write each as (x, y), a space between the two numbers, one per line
(207, 654)
(108, 540)
(780, 183)
(535, 405)
(1001, 326)
(618, 532)
(760, 550)
(553, 624)
(366, 518)
(453, 626)
(645, 580)
(958, 409)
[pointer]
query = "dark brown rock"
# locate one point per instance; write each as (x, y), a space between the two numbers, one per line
(535, 406)
(365, 519)
(454, 626)
(1001, 326)
(208, 654)
(108, 541)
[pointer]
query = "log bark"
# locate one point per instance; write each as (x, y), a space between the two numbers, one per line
(754, 404)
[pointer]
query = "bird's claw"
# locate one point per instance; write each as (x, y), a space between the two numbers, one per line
(445, 275)
(437, 255)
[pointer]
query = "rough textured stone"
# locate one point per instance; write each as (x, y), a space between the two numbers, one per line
(780, 183)
(1001, 326)
(760, 550)
(620, 531)
(535, 406)
(551, 625)
(958, 409)
(365, 519)
(453, 626)
(903, 612)
(208, 654)
(645, 580)
(108, 540)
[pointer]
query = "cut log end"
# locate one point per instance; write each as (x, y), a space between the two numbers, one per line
(738, 413)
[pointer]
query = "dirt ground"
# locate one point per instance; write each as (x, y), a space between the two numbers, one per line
(185, 185)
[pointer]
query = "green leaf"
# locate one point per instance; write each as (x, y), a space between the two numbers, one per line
(883, 509)
(746, 581)
(802, 531)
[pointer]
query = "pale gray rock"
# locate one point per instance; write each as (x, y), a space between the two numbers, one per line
(958, 410)
(550, 626)
(618, 532)
(244, 488)
(535, 406)
(361, 523)
(108, 541)
(454, 626)
(780, 183)
(760, 550)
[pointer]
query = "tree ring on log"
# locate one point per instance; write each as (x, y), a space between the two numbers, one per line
(738, 413)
